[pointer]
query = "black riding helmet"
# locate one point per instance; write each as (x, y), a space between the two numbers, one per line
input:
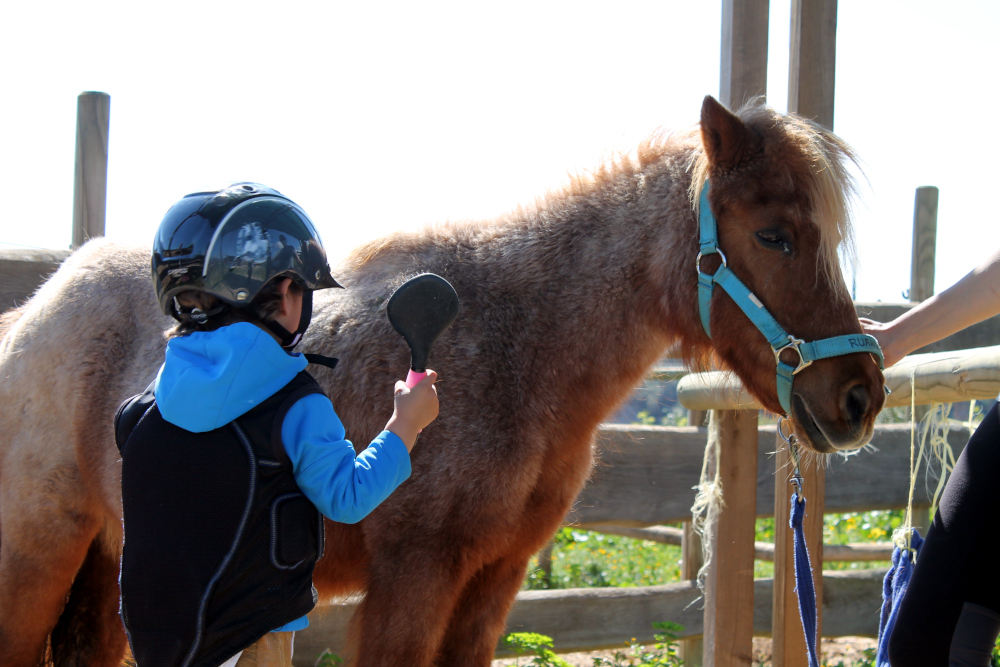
(231, 243)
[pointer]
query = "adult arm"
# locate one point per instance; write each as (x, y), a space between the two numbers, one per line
(972, 299)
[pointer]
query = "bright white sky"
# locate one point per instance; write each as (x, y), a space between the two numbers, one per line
(378, 116)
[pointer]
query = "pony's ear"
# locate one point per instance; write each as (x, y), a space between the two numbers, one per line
(726, 139)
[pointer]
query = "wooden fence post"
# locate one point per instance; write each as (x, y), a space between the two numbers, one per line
(692, 650)
(812, 60)
(729, 585)
(744, 51)
(811, 76)
(90, 188)
(925, 206)
(788, 646)
(922, 257)
(545, 563)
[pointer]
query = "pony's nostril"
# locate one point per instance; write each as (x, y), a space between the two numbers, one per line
(856, 403)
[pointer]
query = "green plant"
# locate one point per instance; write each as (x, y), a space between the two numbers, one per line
(581, 558)
(663, 653)
(533, 642)
(328, 659)
(867, 661)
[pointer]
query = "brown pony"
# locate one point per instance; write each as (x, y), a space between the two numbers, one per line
(565, 306)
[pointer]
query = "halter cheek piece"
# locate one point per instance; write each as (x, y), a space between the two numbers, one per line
(777, 338)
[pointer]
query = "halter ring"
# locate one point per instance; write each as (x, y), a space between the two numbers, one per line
(697, 260)
(793, 343)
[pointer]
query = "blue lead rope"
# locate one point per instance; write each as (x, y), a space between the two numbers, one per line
(894, 586)
(804, 587)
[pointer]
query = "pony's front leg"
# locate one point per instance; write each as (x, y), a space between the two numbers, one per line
(39, 559)
(405, 613)
(480, 614)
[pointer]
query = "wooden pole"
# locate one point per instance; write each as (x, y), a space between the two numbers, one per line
(788, 644)
(925, 208)
(812, 60)
(925, 205)
(811, 76)
(93, 114)
(692, 649)
(729, 585)
(744, 51)
(545, 563)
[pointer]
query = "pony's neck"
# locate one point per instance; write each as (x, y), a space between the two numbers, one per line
(609, 275)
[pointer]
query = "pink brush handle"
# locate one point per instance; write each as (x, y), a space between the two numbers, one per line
(412, 378)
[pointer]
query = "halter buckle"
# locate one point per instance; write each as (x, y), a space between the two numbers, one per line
(793, 343)
(697, 260)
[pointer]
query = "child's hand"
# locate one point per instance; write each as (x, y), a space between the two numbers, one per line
(415, 408)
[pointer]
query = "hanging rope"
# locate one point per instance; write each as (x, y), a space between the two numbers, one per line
(907, 539)
(934, 435)
(708, 502)
(901, 536)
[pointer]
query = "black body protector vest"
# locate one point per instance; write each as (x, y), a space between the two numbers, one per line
(220, 543)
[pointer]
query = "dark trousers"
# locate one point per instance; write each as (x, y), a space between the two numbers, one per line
(959, 562)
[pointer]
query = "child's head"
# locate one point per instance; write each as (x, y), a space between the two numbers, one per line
(221, 257)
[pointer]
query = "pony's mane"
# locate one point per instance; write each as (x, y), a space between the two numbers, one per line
(620, 165)
(830, 185)
(830, 188)
(650, 151)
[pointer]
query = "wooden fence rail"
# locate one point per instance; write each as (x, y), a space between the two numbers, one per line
(645, 474)
(854, 552)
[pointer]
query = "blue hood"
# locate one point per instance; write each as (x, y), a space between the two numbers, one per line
(210, 379)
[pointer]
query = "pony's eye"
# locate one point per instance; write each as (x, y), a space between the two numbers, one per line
(773, 240)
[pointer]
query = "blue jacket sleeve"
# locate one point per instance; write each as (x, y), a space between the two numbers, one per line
(342, 486)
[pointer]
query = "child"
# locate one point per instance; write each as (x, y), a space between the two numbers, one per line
(231, 455)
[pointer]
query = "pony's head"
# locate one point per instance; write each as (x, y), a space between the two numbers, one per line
(779, 192)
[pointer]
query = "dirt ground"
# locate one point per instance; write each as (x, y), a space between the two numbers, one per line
(846, 650)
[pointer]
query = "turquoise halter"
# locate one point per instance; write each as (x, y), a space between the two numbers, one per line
(777, 338)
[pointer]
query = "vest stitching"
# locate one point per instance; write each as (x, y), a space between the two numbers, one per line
(232, 549)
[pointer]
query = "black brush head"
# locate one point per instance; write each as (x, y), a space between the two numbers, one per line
(420, 310)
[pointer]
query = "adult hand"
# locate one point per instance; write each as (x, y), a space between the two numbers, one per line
(883, 333)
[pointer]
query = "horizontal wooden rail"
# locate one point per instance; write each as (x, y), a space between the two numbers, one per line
(852, 552)
(23, 270)
(645, 474)
(939, 377)
(583, 619)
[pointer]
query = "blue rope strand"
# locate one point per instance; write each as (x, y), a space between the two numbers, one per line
(804, 585)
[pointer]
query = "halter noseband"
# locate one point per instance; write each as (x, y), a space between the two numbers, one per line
(777, 338)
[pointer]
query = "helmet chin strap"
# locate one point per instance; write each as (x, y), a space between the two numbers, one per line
(289, 339)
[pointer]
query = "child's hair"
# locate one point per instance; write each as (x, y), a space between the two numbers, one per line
(263, 308)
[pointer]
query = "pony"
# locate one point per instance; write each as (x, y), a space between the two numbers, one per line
(565, 305)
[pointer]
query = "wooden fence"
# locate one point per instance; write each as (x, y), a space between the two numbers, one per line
(645, 477)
